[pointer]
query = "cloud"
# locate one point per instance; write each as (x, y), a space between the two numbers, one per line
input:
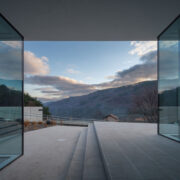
(63, 86)
(13, 44)
(137, 73)
(59, 82)
(34, 65)
(110, 77)
(11, 55)
(150, 57)
(170, 64)
(141, 48)
(10, 63)
(44, 58)
(169, 44)
(72, 71)
(49, 99)
(50, 93)
(147, 70)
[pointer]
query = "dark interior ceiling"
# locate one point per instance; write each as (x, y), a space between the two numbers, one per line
(90, 19)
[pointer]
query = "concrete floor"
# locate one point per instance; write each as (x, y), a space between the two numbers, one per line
(134, 151)
(105, 150)
(47, 154)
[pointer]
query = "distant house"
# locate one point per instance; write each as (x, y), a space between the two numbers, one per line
(111, 117)
(139, 119)
(33, 113)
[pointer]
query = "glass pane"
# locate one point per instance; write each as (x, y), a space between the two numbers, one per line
(11, 93)
(169, 81)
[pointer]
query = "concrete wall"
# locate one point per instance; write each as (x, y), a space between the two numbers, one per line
(34, 113)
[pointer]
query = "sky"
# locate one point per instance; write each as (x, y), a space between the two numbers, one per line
(57, 70)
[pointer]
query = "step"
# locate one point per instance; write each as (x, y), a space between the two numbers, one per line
(75, 171)
(93, 164)
(115, 163)
(127, 154)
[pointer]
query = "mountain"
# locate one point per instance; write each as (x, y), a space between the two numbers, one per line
(10, 97)
(98, 104)
(12, 84)
(169, 97)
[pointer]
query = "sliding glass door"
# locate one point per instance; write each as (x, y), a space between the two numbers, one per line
(169, 81)
(11, 93)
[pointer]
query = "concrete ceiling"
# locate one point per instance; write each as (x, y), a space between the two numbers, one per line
(90, 19)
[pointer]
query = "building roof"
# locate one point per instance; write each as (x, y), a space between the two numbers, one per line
(112, 115)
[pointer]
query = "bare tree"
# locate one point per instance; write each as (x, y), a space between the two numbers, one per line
(146, 104)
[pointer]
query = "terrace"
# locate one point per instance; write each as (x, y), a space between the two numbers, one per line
(94, 150)
(103, 150)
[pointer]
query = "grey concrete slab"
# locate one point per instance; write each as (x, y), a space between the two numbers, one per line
(75, 171)
(130, 151)
(135, 151)
(47, 154)
(93, 165)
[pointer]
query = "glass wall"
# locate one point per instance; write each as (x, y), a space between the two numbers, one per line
(11, 93)
(169, 81)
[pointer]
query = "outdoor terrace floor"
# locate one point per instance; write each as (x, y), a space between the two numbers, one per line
(104, 150)
(134, 151)
(47, 153)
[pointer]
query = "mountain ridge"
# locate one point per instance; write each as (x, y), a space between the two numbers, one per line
(100, 103)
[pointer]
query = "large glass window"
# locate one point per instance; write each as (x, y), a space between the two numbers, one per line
(11, 93)
(169, 81)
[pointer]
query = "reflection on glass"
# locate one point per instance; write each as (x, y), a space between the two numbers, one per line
(11, 91)
(169, 81)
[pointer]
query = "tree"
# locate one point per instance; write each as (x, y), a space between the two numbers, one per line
(31, 101)
(146, 104)
(46, 111)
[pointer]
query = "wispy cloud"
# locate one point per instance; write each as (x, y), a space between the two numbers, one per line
(72, 71)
